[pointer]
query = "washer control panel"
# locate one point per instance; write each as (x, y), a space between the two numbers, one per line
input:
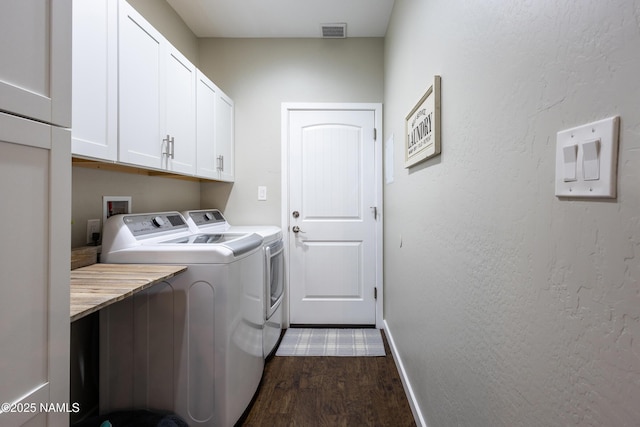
(145, 224)
(208, 217)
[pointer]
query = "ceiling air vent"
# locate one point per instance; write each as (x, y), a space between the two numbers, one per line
(334, 31)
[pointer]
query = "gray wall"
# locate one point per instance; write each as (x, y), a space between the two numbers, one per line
(261, 74)
(509, 306)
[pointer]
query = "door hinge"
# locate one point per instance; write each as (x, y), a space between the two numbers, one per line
(375, 134)
(375, 293)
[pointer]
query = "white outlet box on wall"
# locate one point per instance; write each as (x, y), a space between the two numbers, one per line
(587, 160)
(114, 205)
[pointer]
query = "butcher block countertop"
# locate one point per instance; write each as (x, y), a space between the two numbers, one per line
(99, 285)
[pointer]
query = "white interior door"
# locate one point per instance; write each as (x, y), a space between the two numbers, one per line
(333, 204)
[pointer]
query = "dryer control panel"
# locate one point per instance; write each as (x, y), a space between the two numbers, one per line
(143, 225)
(206, 217)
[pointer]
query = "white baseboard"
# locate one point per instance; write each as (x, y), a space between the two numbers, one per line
(413, 403)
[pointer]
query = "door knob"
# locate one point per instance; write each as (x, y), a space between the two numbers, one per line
(295, 229)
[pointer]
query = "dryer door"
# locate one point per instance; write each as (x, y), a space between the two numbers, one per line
(274, 276)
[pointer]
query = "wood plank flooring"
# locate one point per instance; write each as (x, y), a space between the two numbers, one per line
(330, 391)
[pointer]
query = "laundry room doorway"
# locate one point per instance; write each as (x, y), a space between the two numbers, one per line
(332, 213)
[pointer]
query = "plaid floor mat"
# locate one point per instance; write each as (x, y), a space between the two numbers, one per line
(331, 342)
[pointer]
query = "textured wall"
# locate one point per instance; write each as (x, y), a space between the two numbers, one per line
(509, 306)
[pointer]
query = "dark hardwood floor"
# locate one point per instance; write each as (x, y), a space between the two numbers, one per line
(330, 391)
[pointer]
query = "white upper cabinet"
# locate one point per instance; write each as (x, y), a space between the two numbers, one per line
(35, 76)
(180, 117)
(224, 137)
(141, 76)
(206, 93)
(214, 135)
(157, 92)
(95, 79)
(138, 101)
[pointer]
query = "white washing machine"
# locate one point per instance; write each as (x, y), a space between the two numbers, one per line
(193, 344)
(212, 220)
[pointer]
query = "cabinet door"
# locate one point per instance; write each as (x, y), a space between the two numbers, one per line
(140, 53)
(206, 93)
(224, 137)
(35, 48)
(35, 184)
(180, 118)
(95, 85)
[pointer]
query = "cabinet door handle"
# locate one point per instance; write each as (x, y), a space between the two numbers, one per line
(165, 143)
(169, 146)
(220, 162)
(173, 147)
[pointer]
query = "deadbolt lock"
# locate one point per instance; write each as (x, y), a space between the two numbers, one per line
(295, 214)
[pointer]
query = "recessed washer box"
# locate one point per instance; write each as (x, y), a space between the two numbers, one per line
(587, 160)
(114, 205)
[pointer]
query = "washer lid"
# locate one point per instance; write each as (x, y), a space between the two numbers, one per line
(237, 243)
(206, 238)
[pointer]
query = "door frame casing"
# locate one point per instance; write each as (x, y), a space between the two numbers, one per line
(286, 109)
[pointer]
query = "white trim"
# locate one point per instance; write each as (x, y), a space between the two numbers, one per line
(287, 107)
(59, 256)
(411, 397)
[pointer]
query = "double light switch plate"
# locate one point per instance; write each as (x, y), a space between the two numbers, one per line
(587, 160)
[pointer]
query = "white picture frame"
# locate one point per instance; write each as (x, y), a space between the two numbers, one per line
(422, 127)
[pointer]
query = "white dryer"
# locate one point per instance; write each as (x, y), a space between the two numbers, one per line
(193, 344)
(212, 220)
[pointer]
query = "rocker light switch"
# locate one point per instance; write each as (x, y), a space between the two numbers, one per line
(570, 153)
(262, 192)
(587, 160)
(591, 160)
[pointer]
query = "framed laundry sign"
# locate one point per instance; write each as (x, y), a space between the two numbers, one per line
(422, 127)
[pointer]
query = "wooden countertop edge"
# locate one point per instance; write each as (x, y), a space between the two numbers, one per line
(100, 285)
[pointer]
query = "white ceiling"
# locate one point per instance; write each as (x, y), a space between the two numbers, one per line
(282, 18)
